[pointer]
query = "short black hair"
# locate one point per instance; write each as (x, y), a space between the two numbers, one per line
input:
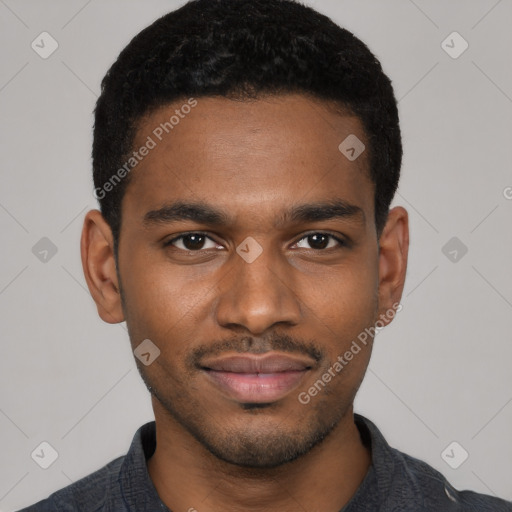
(242, 49)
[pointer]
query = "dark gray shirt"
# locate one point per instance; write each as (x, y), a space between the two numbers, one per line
(395, 482)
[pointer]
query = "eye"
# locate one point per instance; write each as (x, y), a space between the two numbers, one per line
(192, 242)
(319, 241)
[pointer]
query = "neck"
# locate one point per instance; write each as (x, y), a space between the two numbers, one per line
(187, 477)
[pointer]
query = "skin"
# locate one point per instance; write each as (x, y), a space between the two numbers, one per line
(255, 160)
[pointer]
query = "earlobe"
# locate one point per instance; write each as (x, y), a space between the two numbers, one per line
(99, 266)
(393, 252)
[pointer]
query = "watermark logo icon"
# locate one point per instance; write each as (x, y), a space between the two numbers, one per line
(146, 352)
(249, 249)
(44, 250)
(454, 249)
(454, 455)
(454, 45)
(44, 455)
(352, 147)
(44, 45)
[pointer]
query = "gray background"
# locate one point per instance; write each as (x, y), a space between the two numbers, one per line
(440, 372)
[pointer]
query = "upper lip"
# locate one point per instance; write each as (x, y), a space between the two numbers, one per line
(251, 363)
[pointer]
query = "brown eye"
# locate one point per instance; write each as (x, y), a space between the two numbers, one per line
(319, 241)
(192, 242)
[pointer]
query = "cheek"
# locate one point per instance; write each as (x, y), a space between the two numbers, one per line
(344, 300)
(165, 305)
(154, 299)
(347, 310)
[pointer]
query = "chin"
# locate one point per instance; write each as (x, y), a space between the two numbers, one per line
(256, 440)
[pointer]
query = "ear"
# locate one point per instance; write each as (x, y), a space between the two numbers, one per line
(393, 252)
(98, 263)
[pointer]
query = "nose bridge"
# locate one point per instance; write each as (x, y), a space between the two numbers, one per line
(258, 291)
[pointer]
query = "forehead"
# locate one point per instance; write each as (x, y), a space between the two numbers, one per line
(252, 156)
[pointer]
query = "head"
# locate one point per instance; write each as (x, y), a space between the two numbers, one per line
(245, 156)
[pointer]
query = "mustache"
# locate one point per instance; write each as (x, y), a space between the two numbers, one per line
(256, 345)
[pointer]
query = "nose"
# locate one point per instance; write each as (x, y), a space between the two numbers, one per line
(258, 295)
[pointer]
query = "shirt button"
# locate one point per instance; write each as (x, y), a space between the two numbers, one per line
(449, 494)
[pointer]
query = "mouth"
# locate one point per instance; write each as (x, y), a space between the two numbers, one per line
(257, 379)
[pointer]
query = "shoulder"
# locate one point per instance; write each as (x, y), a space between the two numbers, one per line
(406, 483)
(89, 494)
(435, 490)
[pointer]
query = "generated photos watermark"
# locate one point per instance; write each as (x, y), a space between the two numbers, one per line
(152, 141)
(343, 360)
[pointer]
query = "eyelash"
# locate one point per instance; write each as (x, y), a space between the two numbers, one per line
(341, 242)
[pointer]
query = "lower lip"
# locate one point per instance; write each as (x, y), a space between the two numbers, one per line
(256, 388)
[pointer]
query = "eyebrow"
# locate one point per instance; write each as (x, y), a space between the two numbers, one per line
(204, 213)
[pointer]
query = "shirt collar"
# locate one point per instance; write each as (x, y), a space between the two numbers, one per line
(137, 488)
(139, 492)
(391, 478)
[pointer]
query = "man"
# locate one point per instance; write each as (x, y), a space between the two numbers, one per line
(245, 156)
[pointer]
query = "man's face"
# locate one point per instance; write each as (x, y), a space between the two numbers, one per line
(250, 312)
